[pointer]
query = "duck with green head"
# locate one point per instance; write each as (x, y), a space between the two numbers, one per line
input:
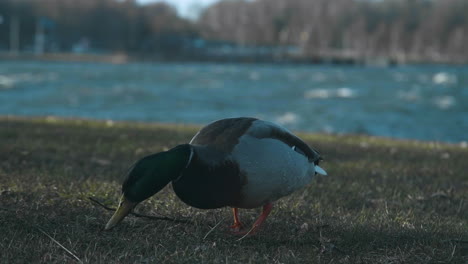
(236, 162)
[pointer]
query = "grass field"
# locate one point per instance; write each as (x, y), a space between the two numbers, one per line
(384, 201)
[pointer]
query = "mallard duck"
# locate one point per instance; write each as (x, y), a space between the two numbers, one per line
(236, 162)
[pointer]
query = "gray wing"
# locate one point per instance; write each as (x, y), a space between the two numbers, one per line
(223, 134)
(264, 129)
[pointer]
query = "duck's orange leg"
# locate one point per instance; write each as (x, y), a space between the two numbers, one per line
(236, 227)
(266, 211)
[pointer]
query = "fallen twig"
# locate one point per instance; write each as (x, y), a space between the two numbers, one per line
(58, 243)
(165, 218)
(246, 234)
(213, 228)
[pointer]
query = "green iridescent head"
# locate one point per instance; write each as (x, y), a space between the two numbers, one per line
(148, 176)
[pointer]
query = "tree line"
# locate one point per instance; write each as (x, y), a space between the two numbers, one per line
(401, 30)
(108, 25)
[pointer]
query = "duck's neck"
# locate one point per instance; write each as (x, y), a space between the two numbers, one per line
(177, 159)
(154, 172)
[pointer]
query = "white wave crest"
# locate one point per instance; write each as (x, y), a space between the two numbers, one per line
(444, 78)
(9, 81)
(287, 118)
(444, 102)
(6, 82)
(343, 92)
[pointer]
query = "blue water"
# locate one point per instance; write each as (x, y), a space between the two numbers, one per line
(427, 102)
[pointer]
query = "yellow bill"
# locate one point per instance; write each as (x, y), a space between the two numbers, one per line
(124, 209)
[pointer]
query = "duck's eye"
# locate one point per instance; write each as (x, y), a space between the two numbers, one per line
(298, 150)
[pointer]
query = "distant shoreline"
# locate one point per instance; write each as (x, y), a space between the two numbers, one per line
(97, 58)
(122, 58)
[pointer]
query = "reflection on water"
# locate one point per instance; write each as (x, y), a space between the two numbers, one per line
(419, 102)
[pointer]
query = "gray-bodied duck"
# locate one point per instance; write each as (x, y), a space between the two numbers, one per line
(236, 162)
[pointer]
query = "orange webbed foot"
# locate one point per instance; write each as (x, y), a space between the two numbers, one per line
(237, 226)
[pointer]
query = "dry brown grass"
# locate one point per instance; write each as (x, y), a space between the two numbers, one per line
(385, 201)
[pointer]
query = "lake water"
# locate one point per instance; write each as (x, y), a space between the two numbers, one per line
(428, 102)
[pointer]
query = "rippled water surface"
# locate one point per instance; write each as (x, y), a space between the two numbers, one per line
(427, 102)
